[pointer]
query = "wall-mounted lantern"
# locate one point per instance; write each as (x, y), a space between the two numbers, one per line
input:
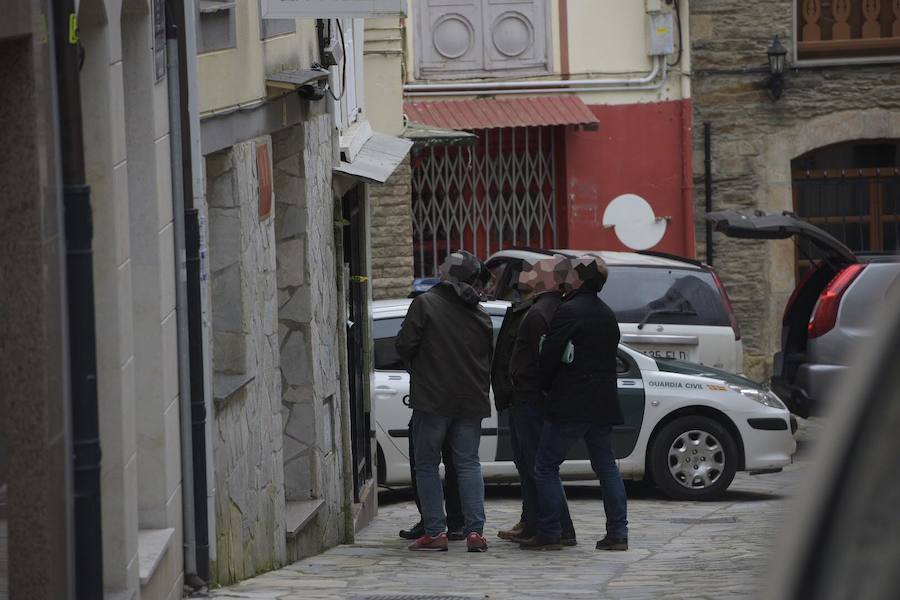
(777, 54)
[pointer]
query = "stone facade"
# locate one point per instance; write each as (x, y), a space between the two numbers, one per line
(277, 348)
(308, 300)
(247, 438)
(754, 140)
(392, 249)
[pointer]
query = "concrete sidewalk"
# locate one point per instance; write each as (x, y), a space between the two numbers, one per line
(678, 549)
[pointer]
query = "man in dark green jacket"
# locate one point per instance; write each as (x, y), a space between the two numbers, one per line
(446, 341)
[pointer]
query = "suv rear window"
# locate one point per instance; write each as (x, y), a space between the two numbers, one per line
(661, 295)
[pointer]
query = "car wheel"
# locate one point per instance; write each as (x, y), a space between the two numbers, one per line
(693, 458)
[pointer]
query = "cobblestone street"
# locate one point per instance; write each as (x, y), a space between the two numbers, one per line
(678, 549)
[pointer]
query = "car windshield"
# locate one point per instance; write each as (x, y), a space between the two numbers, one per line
(662, 295)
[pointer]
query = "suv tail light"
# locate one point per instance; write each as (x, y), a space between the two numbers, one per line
(731, 318)
(825, 313)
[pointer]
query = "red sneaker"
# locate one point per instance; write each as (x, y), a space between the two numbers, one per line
(426, 543)
(476, 543)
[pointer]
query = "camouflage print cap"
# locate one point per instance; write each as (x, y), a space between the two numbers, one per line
(460, 267)
(461, 270)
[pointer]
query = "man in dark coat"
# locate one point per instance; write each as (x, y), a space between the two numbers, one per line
(542, 282)
(446, 340)
(582, 404)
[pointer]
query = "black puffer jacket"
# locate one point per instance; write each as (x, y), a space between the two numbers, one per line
(586, 389)
(524, 366)
(446, 341)
(501, 382)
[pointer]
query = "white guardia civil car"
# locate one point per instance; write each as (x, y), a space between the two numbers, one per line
(688, 427)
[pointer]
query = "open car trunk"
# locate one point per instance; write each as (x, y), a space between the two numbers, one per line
(802, 302)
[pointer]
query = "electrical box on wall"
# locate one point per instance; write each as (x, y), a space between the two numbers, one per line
(661, 34)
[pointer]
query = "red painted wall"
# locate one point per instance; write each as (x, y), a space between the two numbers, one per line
(641, 149)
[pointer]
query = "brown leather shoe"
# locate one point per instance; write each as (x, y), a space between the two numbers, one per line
(515, 531)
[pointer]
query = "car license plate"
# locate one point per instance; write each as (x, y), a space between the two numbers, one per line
(667, 352)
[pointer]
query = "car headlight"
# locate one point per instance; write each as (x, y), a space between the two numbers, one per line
(764, 397)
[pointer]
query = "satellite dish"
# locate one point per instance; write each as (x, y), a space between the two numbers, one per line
(636, 226)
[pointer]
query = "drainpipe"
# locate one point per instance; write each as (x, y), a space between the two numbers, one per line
(181, 306)
(687, 180)
(87, 515)
(658, 63)
(198, 404)
(185, 15)
(707, 187)
(660, 67)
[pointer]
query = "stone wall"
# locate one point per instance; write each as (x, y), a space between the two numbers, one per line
(754, 140)
(247, 428)
(308, 303)
(392, 249)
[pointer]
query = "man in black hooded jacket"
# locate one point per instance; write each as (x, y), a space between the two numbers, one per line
(582, 404)
(446, 340)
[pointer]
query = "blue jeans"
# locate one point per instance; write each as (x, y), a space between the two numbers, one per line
(556, 441)
(464, 436)
(527, 419)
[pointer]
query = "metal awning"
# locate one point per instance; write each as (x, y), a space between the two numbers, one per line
(295, 78)
(490, 113)
(377, 159)
(428, 135)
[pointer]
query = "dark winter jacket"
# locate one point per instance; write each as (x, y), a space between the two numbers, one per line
(524, 365)
(446, 341)
(501, 382)
(586, 389)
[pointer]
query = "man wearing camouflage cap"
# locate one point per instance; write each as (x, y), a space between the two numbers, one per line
(541, 281)
(582, 403)
(446, 341)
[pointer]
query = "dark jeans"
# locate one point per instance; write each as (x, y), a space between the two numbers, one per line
(527, 420)
(451, 485)
(556, 441)
(516, 452)
(430, 432)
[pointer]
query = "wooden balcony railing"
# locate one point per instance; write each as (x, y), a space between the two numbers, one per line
(848, 29)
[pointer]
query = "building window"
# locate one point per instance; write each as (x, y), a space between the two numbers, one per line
(475, 38)
(269, 28)
(215, 25)
(852, 191)
(841, 29)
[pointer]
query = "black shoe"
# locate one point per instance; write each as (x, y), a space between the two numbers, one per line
(612, 543)
(414, 532)
(568, 539)
(455, 534)
(539, 543)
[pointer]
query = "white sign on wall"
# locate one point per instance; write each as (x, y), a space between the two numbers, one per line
(331, 9)
(637, 227)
